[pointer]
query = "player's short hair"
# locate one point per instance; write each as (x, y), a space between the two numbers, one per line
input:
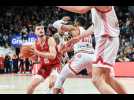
(67, 20)
(37, 24)
(81, 21)
(51, 30)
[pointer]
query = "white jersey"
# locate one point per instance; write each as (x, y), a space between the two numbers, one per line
(105, 23)
(84, 44)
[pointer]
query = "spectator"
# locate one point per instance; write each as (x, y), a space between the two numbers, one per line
(7, 64)
(27, 65)
(15, 63)
(21, 65)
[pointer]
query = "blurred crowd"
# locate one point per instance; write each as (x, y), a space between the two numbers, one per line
(126, 21)
(21, 19)
(15, 64)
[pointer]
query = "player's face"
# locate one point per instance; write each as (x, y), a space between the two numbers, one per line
(39, 30)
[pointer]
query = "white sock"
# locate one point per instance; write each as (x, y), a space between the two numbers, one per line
(65, 72)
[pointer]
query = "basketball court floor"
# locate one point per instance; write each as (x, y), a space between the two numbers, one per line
(17, 84)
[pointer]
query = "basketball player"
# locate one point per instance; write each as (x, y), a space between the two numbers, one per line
(45, 49)
(83, 52)
(62, 37)
(106, 31)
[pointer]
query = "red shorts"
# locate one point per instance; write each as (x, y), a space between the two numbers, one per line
(45, 71)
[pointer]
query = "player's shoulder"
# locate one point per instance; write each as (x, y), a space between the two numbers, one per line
(51, 40)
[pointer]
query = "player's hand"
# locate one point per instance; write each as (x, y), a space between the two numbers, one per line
(61, 49)
(62, 52)
(72, 41)
(34, 51)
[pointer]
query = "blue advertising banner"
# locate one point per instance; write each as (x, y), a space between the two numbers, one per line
(18, 40)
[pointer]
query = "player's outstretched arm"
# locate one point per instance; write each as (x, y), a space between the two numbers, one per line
(61, 27)
(65, 49)
(67, 28)
(86, 33)
(76, 9)
(85, 9)
(103, 8)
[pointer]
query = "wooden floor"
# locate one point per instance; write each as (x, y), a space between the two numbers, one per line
(17, 84)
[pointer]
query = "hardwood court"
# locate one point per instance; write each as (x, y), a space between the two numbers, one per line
(17, 84)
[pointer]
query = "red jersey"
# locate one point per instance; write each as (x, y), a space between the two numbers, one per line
(45, 48)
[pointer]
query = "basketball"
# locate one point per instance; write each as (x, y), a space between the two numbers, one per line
(26, 51)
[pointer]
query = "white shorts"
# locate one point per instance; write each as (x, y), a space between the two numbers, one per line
(81, 61)
(55, 72)
(106, 52)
